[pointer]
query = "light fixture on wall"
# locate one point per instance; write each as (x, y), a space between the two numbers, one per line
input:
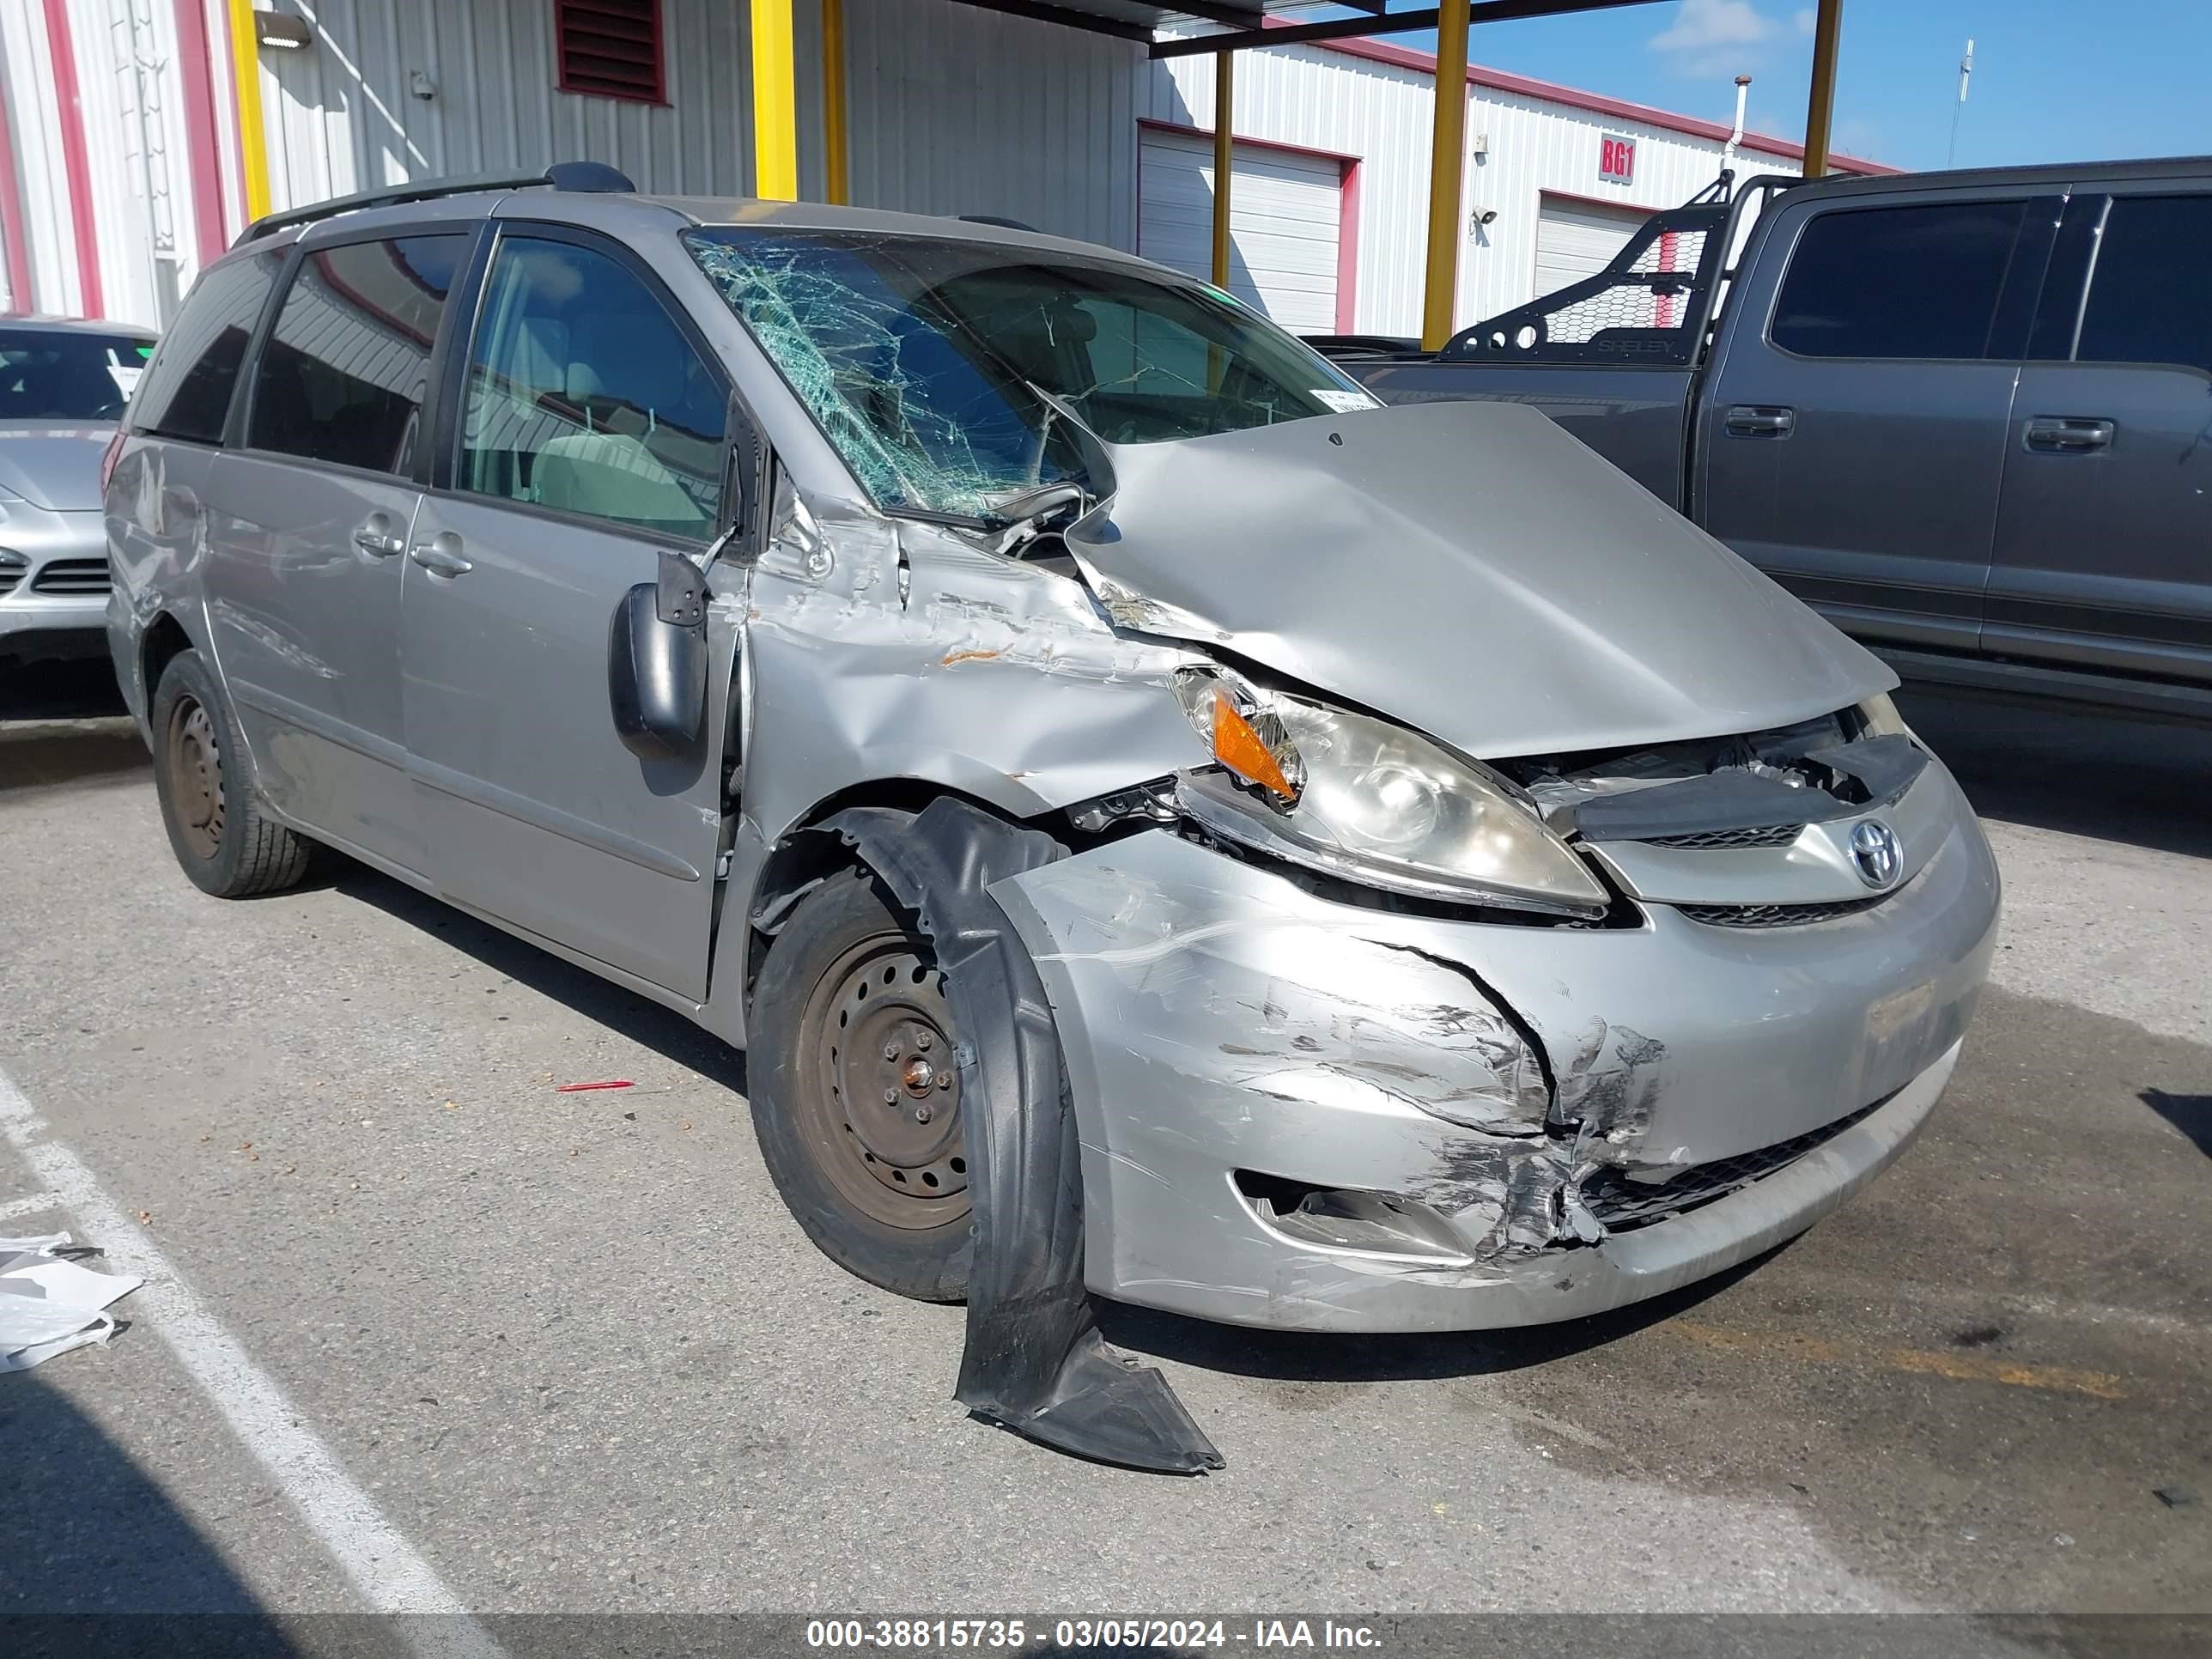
(287, 31)
(1482, 217)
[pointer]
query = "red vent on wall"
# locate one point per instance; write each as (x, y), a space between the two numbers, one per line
(610, 48)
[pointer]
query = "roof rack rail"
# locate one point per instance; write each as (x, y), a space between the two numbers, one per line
(561, 175)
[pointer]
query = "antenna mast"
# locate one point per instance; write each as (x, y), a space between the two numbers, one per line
(1965, 74)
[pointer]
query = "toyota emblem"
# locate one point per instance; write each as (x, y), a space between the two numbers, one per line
(1875, 853)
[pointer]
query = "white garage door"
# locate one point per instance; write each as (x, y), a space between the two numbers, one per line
(1284, 215)
(1575, 239)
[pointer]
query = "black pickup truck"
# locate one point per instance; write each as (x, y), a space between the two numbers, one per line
(1968, 416)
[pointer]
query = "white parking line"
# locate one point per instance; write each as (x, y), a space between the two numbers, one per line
(384, 1568)
(30, 1205)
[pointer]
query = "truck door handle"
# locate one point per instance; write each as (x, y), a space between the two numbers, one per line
(441, 555)
(374, 537)
(2069, 434)
(1760, 421)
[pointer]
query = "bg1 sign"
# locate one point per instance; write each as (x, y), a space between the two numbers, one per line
(1616, 158)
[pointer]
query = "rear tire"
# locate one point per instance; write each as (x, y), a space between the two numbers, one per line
(216, 828)
(851, 1009)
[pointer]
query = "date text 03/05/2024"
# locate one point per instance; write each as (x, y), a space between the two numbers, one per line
(1085, 1634)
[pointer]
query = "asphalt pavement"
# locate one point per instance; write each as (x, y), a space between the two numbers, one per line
(570, 1353)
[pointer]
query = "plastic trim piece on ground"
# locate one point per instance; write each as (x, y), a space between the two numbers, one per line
(1034, 1360)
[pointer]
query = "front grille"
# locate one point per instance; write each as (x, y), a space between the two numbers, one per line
(1775, 915)
(1623, 1205)
(1777, 834)
(75, 576)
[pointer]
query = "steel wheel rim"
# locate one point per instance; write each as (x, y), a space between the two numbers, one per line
(880, 1097)
(192, 757)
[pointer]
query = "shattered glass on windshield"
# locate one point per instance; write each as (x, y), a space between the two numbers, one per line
(923, 360)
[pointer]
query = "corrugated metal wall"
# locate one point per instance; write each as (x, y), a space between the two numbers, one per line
(1379, 113)
(397, 89)
(953, 110)
(956, 110)
(29, 106)
(131, 99)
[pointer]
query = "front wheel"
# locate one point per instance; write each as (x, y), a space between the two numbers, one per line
(216, 827)
(855, 1083)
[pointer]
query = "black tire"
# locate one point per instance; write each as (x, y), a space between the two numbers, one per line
(215, 827)
(883, 1195)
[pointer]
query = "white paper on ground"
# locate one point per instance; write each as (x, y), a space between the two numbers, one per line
(49, 1305)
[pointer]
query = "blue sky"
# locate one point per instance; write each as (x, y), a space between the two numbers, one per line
(2053, 80)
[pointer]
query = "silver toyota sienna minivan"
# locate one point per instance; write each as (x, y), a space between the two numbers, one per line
(1004, 684)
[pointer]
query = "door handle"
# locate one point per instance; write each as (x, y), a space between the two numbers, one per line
(441, 556)
(1760, 421)
(374, 537)
(2069, 434)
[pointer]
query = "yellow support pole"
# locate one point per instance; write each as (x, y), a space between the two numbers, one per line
(776, 103)
(1821, 108)
(1225, 152)
(1447, 162)
(245, 94)
(836, 185)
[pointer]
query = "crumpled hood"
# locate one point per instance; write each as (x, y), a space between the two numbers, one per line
(1468, 569)
(56, 467)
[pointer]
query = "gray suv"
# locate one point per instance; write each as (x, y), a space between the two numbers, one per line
(1156, 819)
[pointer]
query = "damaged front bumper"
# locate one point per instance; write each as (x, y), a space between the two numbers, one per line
(1299, 1111)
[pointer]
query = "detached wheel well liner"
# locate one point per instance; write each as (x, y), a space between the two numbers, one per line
(1035, 1361)
(811, 852)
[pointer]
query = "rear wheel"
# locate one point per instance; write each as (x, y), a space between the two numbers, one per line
(215, 828)
(856, 1092)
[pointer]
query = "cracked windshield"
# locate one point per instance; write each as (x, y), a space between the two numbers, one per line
(923, 360)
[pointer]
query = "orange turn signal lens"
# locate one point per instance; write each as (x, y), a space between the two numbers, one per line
(1239, 748)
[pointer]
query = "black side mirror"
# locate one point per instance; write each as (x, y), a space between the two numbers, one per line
(657, 662)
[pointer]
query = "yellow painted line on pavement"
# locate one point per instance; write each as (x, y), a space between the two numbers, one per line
(1957, 1367)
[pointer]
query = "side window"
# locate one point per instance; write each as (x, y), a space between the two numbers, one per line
(2145, 291)
(347, 368)
(186, 390)
(584, 396)
(1907, 282)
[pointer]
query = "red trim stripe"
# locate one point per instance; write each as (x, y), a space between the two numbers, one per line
(196, 60)
(20, 296)
(1347, 251)
(76, 159)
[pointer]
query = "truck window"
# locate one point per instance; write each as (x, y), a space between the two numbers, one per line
(186, 390)
(346, 368)
(1907, 282)
(2150, 262)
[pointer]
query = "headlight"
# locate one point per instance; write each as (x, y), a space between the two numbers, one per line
(1363, 799)
(1882, 718)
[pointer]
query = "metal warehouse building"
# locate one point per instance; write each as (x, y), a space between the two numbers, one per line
(140, 136)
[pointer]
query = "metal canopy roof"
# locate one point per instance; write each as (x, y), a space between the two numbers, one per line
(1235, 25)
(1137, 20)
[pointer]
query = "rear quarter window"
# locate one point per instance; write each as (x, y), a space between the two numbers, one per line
(186, 390)
(2146, 300)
